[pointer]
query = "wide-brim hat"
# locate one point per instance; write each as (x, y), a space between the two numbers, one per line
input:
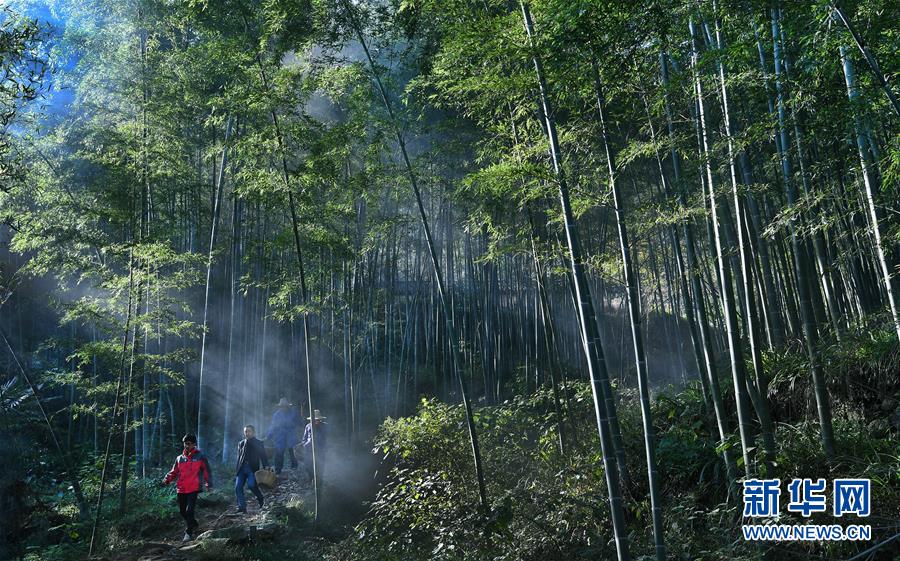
(283, 402)
(318, 415)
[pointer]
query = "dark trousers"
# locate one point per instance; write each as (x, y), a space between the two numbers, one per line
(187, 502)
(246, 476)
(308, 462)
(279, 458)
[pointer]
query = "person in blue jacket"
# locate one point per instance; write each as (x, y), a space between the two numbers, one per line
(283, 433)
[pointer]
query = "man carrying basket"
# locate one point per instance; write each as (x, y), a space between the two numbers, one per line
(251, 455)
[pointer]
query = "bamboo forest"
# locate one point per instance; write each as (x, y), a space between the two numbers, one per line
(452, 280)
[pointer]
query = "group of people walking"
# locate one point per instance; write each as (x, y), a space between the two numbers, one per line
(191, 470)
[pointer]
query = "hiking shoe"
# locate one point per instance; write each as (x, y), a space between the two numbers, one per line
(261, 502)
(187, 537)
(242, 510)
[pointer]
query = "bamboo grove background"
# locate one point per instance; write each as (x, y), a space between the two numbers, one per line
(211, 204)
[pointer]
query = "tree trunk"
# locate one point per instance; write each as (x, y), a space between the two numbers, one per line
(708, 366)
(800, 266)
(604, 405)
(870, 59)
(217, 204)
(435, 259)
(758, 396)
(865, 164)
(637, 337)
(235, 313)
(725, 284)
(98, 512)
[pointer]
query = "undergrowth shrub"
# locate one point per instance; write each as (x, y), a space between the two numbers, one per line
(547, 506)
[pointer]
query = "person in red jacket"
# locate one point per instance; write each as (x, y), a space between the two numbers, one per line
(191, 471)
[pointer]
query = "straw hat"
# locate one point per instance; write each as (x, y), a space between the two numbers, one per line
(284, 402)
(317, 415)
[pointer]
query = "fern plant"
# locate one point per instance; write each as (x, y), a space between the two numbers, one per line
(12, 395)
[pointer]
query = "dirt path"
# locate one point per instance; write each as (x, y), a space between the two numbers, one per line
(281, 522)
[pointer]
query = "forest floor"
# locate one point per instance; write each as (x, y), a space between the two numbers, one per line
(282, 529)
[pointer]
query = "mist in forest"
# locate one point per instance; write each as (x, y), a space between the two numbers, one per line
(563, 279)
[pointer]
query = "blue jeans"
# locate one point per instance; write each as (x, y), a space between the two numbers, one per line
(245, 475)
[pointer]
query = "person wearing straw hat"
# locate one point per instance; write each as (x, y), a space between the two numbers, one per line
(321, 442)
(283, 433)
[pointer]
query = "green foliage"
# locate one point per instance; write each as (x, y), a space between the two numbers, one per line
(24, 66)
(542, 504)
(546, 505)
(116, 203)
(12, 395)
(861, 372)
